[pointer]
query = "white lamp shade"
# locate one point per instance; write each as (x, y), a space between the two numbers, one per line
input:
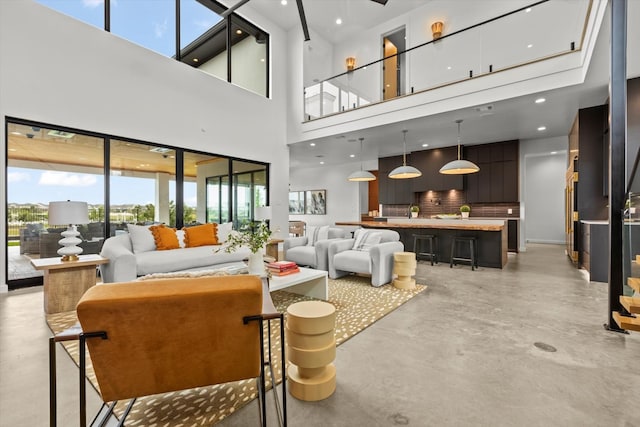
(459, 167)
(362, 176)
(404, 172)
(68, 212)
(262, 213)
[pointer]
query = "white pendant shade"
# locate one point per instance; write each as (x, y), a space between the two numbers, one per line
(362, 176)
(460, 166)
(404, 172)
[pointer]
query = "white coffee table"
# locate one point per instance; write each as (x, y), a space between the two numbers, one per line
(309, 282)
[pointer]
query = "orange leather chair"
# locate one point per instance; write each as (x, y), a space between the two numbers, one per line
(162, 335)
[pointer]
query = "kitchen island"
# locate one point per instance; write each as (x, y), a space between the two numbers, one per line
(491, 236)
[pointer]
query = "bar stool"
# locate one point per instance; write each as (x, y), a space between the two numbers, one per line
(473, 251)
(419, 239)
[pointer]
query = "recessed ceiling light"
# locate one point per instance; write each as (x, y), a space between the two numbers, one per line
(528, 10)
(352, 155)
(238, 31)
(322, 163)
(339, 21)
(554, 152)
(195, 59)
(540, 100)
(283, 2)
(313, 144)
(449, 67)
(261, 59)
(425, 145)
(529, 46)
(541, 128)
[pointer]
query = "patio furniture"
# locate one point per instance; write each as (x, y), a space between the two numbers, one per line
(30, 238)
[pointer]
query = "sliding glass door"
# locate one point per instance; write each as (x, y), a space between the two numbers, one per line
(123, 181)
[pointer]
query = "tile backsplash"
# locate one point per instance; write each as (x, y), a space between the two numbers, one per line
(447, 202)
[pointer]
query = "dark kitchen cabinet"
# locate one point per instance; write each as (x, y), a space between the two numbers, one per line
(512, 235)
(497, 180)
(429, 163)
(393, 191)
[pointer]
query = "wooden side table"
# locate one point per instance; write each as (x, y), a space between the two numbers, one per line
(66, 281)
(272, 248)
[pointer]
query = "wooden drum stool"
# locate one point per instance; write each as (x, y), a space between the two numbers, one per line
(311, 349)
(404, 266)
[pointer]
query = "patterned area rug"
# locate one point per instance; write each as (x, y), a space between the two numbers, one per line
(358, 305)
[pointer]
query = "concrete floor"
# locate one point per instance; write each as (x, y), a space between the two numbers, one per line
(461, 353)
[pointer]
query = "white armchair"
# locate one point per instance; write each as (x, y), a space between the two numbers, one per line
(369, 252)
(314, 255)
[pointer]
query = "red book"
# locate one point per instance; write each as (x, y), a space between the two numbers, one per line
(282, 264)
(286, 272)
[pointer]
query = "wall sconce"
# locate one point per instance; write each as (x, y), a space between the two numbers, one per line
(436, 29)
(351, 63)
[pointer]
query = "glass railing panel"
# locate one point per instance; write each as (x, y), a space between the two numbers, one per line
(434, 64)
(531, 34)
(149, 23)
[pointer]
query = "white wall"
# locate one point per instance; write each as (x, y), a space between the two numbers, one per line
(343, 197)
(60, 71)
(542, 185)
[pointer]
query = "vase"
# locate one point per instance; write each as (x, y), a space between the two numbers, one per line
(414, 214)
(256, 264)
(465, 215)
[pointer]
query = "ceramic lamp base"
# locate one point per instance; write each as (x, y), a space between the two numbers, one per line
(69, 251)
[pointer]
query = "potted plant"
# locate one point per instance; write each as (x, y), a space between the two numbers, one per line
(464, 210)
(414, 211)
(254, 235)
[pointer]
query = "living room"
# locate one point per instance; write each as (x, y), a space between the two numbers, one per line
(118, 88)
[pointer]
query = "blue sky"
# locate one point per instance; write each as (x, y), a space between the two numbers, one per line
(149, 23)
(40, 186)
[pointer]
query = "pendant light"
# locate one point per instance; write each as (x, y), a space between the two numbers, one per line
(460, 166)
(361, 175)
(404, 171)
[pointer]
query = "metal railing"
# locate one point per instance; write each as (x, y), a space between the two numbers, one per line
(540, 31)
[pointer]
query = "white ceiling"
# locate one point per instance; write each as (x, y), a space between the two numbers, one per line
(517, 118)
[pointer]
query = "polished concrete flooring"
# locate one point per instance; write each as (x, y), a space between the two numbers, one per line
(472, 350)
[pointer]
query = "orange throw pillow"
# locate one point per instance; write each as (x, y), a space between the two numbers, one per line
(165, 237)
(201, 235)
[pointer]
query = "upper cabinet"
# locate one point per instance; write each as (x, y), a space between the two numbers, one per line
(429, 163)
(497, 180)
(394, 191)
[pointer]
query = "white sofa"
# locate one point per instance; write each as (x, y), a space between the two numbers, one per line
(357, 255)
(125, 265)
(315, 255)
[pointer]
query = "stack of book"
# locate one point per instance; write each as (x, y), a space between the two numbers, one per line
(282, 268)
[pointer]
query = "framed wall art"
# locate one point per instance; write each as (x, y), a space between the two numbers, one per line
(296, 202)
(315, 202)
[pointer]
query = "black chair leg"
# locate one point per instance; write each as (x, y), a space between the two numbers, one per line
(53, 413)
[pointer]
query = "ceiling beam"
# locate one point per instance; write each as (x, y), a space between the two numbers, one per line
(303, 21)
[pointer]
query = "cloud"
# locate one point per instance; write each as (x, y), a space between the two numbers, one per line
(67, 179)
(13, 177)
(160, 29)
(92, 3)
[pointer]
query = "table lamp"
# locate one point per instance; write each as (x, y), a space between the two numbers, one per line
(72, 214)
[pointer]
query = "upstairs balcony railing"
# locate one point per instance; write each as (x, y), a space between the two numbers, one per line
(541, 31)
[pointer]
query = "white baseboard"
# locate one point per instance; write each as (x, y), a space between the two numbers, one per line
(4, 288)
(550, 242)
